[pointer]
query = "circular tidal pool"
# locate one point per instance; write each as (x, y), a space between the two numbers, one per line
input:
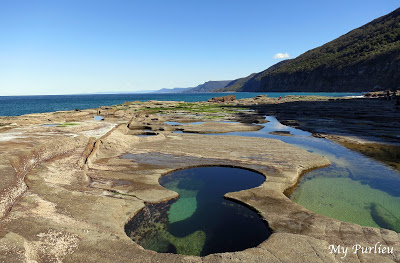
(201, 221)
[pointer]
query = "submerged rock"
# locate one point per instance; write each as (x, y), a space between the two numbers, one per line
(384, 218)
(281, 133)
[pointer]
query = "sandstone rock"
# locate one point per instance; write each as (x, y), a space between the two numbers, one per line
(72, 196)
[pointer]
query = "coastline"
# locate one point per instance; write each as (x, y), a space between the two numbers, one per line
(73, 179)
(18, 105)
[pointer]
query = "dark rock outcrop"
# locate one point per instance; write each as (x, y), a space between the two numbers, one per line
(223, 99)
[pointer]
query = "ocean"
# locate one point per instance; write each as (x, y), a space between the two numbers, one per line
(20, 105)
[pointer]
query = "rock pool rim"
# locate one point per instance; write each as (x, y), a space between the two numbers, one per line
(290, 190)
(214, 165)
(174, 199)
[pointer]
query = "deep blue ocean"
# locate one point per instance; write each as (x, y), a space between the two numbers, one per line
(19, 105)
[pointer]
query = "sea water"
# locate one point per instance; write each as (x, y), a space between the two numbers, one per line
(19, 105)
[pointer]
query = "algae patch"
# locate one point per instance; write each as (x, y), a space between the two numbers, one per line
(163, 241)
(186, 205)
(67, 124)
(182, 209)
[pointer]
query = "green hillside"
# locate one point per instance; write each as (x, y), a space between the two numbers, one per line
(366, 58)
(208, 86)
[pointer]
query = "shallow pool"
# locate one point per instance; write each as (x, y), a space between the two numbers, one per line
(183, 123)
(354, 188)
(98, 118)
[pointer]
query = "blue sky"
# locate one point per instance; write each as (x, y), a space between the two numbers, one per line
(67, 47)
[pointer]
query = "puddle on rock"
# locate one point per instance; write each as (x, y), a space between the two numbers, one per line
(181, 123)
(201, 222)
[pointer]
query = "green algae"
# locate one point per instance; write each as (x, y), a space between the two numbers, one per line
(196, 108)
(67, 124)
(188, 245)
(186, 205)
(184, 208)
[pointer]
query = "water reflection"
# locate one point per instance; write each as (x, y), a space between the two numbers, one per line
(354, 188)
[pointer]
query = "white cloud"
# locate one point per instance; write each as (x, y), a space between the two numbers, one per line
(281, 55)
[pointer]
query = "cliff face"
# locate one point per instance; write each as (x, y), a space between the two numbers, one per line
(236, 84)
(255, 83)
(364, 59)
(382, 72)
(251, 82)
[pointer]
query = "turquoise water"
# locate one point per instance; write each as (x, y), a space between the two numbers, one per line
(19, 105)
(201, 221)
(354, 188)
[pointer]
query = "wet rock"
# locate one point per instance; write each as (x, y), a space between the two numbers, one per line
(281, 133)
(318, 135)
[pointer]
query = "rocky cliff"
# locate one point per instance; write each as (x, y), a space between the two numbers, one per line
(208, 86)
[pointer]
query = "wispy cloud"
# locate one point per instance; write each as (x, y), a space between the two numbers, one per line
(281, 55)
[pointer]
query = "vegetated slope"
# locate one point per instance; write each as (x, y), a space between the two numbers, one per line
(236, 84)
(208, 86)
(174, 90)
(253, 81)
(364, 59)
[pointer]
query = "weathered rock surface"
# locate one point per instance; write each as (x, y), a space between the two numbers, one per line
(75, 193)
